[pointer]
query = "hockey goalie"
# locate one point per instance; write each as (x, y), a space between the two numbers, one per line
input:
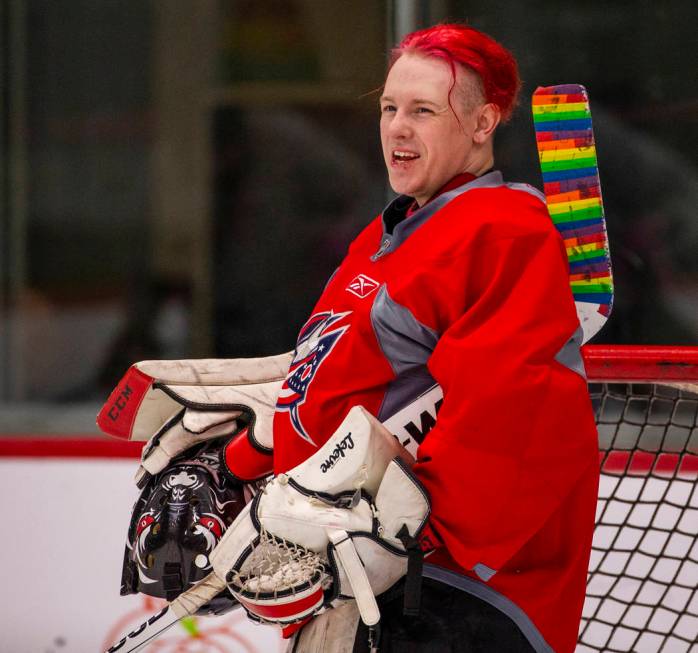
(319, 490)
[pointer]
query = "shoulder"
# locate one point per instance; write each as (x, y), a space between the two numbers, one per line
(507, 210)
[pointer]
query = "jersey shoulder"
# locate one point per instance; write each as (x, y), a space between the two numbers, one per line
(503, 211)
(498, 202)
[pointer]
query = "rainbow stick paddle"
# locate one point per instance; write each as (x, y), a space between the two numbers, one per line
(567, 153)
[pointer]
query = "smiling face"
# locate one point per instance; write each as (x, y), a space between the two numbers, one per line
(425, 144)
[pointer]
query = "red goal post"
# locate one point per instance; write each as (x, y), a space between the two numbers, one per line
(642, 364)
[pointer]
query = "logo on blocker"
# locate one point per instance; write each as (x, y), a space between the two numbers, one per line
(362, 286)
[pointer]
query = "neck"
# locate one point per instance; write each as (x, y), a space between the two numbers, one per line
(458, 180)
(481, 160)
(481, 167)
(475, 168)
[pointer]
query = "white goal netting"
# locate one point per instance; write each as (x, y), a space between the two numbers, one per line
(642, 590)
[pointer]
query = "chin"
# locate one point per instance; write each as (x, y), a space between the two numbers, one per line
(402, 187)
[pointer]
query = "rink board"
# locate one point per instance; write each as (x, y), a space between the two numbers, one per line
(63, 541)
(65, 521)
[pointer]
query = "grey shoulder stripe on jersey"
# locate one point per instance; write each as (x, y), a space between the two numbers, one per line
(494, 179)
(402, 391)
(527, 188)
(404, 340)
(407, 345)
(571, 354)
(495, 599)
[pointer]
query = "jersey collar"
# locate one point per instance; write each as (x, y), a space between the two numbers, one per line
(392, 239)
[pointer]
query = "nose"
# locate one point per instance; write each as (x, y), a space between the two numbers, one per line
(400, 126)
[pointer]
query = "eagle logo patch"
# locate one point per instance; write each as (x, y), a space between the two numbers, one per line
(316, 340)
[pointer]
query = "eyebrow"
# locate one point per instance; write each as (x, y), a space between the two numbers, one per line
(387, 98)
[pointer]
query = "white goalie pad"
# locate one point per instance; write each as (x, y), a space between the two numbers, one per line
(177, 404)
(355, 457)
(316, 535)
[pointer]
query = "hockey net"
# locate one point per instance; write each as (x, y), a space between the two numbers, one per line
(642, 587)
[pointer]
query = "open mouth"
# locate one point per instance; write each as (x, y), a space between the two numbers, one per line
(404, 156)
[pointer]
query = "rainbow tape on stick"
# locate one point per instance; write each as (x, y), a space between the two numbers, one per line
(567, 153)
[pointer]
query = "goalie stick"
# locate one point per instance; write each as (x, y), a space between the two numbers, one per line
(567, 154)
(185, 605)
(146, 632)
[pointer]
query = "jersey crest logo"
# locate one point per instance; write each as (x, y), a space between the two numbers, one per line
(315, 341)
(362, 286)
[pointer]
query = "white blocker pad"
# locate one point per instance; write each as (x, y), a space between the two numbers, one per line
(183, 431)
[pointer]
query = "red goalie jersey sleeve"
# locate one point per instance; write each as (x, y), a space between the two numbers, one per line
(512, 463)
(470, 292)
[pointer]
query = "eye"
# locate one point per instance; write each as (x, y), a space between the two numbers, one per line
(388, 108)
(423, 110)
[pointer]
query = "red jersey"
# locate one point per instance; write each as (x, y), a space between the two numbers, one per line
(471, 292)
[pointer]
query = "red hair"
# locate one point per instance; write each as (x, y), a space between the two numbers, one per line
(464, 45)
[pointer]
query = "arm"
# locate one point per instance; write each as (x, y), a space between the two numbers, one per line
(515, 431)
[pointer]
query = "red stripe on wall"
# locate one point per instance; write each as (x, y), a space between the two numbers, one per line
(72, 447)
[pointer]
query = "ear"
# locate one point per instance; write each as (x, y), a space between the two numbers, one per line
(488, 117)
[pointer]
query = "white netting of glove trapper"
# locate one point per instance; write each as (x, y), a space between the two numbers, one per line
(276, 566)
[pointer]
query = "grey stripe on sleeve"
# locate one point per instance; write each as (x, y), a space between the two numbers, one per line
(484, 572)
(405, 342)
(407, 345)
(527, 188)
(403, 390)
(571, 354)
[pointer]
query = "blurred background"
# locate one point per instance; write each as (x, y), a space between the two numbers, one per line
(179, 179)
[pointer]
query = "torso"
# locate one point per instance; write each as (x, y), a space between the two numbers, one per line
(373, 329)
